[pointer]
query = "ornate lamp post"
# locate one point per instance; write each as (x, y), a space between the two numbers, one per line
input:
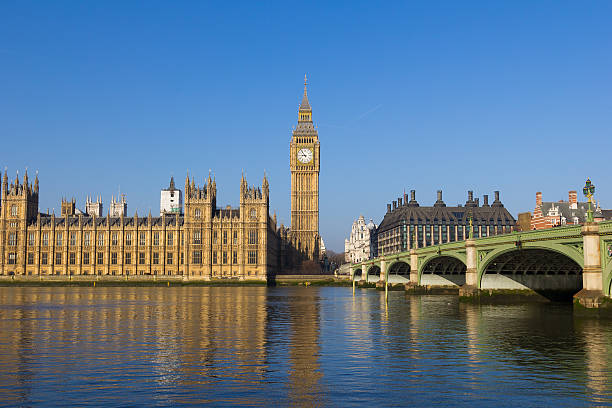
(589, 190)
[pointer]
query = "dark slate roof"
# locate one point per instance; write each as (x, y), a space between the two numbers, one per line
(569, 213)
(73, 221)
(412, 214)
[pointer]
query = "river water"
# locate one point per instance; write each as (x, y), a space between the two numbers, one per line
(293, 346)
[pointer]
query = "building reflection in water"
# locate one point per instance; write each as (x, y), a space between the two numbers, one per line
(305, 375)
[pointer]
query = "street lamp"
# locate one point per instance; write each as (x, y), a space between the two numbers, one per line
(589, 190)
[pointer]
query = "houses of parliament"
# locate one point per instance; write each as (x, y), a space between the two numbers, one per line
(203, 242)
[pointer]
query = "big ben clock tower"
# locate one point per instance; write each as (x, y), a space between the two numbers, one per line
(304, 161)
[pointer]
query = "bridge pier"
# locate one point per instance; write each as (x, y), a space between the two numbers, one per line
(591, 295)
(471, 273)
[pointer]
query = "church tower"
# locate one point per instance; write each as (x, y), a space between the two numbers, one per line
(304, 161)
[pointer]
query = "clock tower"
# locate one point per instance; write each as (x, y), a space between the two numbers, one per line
(304, 161)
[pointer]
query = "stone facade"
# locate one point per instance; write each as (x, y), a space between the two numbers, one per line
(304, 159)
(360, 245)
(206, 242)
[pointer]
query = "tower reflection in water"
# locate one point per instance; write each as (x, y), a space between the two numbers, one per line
(304, 349)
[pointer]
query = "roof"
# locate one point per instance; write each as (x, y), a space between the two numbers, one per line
(411, 214)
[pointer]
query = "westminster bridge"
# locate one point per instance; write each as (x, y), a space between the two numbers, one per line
(574, 260)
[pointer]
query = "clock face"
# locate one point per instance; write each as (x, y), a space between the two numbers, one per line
(304, 155)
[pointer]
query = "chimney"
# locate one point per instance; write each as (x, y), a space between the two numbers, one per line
(496, 195)
(477, 201)
(394, 205)
(485, 199)
(399, 202)
(388, 208)
(470, 195)
(439, 195)
(573, 199)
(539, 199)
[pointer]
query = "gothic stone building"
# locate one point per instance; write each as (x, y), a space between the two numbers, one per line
(408, 225)
(206, 242)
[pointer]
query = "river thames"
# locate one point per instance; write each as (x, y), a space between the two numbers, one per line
(293, 346)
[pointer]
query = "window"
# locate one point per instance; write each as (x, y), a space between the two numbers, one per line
(182, 258)
(252, 237)
(224, 237)
(235, 237)
(143, 239)
(128, 258)
(155, 258)
(72, 258)
(113, 258)
(197, 257)
(115, 238)
(214, 257)
(86, 239)
(31, 239)
(197, 237)
(215, 237)
(141, 258)
(252, 257)
(58, 239)
(100, 239)
(197, 213)
(253, 213)
(58, 258)
(30, 258)
(235, 257)
(169, 258)
(169, 239)
(12, 258)
(128, 238)
(100, 258)
(45, 238)
(182, 238)
(224, 257)
(12, 239)
(156, 238)
(85, 258)
(73, 238)
(14, 210)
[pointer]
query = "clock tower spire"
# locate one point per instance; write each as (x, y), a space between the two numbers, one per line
(304, 162)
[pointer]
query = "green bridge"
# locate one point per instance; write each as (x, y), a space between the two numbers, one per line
(572, 260)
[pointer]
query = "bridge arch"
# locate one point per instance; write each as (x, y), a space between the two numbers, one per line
(373, 273)
(442, 270)
(552, 270)
(399, 271)
(357, 274)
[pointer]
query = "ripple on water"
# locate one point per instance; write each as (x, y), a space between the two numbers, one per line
(122, 346)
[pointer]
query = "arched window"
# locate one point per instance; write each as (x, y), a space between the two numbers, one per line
(13, 210)
(197, 213)
(253, 213)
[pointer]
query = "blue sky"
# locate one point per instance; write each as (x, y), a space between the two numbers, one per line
(511, 96)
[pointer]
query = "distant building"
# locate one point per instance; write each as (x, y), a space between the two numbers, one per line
(118, 208)
(439, 224)
(524, 221)
(171, 200)
(360, 244)
(93, 208)
(548, 214)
